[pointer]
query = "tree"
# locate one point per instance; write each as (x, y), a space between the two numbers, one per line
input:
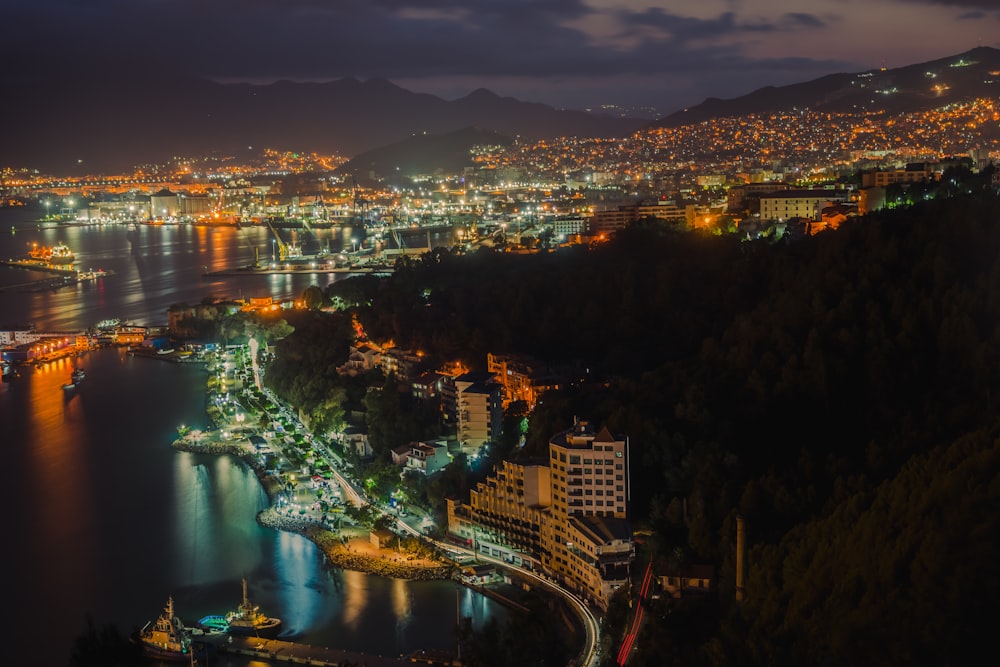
(312, 297)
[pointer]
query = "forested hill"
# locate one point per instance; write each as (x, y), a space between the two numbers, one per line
(814, 386)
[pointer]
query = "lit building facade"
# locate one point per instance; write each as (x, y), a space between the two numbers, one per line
(480, 412)
(567, 515)
(798, 203)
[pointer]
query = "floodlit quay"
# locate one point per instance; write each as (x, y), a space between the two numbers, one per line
(304, 654)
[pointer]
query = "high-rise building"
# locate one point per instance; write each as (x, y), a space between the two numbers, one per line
(567, 515)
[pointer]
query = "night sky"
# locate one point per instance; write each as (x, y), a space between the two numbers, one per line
(568, 53)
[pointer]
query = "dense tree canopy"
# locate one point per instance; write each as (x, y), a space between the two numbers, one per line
(814, 386)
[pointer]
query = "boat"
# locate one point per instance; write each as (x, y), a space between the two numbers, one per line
(61, 254)
(167, 638)
(57, 254)
(78, 375)
(247, 619)
(214, 623)
(69, 385)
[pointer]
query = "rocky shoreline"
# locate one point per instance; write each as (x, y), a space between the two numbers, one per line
(338, 553)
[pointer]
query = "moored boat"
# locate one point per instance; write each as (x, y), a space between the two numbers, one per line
(167, 638)
(57, 254)
(247, 619)
(214, 623)
(78, 375)
(61, 254)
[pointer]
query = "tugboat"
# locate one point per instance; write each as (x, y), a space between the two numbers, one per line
(167, 638)
(247, 620)
(77, 376)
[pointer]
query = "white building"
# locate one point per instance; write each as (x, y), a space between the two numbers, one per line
(427, 457)
(798, 203)
(480, 413)
(567, 515)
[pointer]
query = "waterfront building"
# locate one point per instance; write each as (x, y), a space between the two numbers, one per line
(567, 515)
(18, 336)
(164, 204)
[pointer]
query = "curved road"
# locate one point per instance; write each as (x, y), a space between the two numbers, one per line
(591, 627)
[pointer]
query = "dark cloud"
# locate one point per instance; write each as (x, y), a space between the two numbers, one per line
(687, 28)
(804, 20)
(985, 4)
(540, 43)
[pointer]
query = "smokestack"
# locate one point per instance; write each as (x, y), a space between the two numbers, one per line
(740, 548)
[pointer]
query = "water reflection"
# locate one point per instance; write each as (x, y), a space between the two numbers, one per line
(355, 592)
(303, 605)
(401, 608)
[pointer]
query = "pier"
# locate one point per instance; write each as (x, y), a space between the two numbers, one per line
(293, 269)
(65, 275)
(305, 654)
(36, 265)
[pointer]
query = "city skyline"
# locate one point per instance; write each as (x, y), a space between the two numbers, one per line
(565, 53)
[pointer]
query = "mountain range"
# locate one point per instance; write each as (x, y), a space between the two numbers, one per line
(927, 85)
(98, 124)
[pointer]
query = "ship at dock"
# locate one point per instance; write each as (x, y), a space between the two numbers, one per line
(57, 254)
(167, 638)
(248, 620)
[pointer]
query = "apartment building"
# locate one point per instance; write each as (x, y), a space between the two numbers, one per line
(567, 515)
(799, 203)
(480, 413)
(912, 173)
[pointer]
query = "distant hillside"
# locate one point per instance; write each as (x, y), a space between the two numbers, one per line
(101, 125)
(423, 154)
(911, 88)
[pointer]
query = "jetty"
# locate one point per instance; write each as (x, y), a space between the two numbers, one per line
(305, 654)
(39, 265)
(66, 275)
(264, 270)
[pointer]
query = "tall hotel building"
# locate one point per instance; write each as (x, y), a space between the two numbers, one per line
(566, 515)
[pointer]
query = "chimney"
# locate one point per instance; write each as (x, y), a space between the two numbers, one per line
(740, 548)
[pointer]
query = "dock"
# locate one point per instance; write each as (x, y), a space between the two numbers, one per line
(38, 265)
(65, 275)
(293, 270)
(305, 654)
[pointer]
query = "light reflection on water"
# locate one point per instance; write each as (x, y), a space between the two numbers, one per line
(109, 520)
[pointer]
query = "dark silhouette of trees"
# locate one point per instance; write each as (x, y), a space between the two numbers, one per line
(839, 391)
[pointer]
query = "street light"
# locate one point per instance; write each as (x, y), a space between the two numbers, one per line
(354, 243)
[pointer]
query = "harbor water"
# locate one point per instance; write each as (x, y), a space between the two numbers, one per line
(106, 520)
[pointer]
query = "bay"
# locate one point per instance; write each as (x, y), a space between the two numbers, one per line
(105, 519)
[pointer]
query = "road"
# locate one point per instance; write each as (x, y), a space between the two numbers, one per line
(589, 657)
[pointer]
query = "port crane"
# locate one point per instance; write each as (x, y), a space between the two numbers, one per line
(285, 251)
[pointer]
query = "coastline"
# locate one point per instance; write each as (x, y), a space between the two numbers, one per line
(354, 554)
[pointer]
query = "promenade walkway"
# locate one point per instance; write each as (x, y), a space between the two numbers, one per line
(305, 654)
(351, 549)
